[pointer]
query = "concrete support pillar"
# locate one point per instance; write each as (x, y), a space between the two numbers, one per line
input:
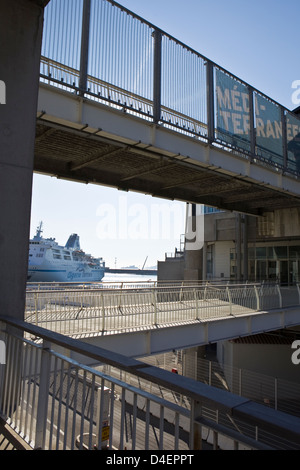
(21, 24)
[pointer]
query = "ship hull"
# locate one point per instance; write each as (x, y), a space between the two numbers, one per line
(38, 274)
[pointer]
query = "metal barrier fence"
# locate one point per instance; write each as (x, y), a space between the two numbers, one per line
(53, 401)
(104, 52)
(82, 311)
(275, 392)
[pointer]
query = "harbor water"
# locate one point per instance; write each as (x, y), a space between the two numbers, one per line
(120, 277)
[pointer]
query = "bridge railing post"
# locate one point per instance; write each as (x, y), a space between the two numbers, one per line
(42, 408)
(210, 101)
(195, 428)
(298, 290)
(284, 138)
(257, 298)
(157, 76)
(252, 124)
(229, 299)
(85, 37)
(279, 295)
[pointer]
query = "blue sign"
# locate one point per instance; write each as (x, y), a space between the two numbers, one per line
(233, 112)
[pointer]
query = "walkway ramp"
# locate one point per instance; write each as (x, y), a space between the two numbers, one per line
(137, 322)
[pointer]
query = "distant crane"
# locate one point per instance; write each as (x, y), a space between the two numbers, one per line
(144, 263)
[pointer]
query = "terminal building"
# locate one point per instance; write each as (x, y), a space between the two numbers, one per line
(240, 248)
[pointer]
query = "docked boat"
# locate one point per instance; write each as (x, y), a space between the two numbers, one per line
(49, 261)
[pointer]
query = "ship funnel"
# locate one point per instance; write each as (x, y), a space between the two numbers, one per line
(73, 242)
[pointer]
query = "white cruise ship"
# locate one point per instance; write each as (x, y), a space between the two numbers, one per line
(48, 261)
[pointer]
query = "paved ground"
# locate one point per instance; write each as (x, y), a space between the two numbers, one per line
(10, 440)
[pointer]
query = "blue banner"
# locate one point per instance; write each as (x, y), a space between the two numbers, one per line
(268, 129)
(293, 141)
(233, 113)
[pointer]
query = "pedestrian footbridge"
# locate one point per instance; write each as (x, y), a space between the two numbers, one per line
(144, 320)
(124, 104)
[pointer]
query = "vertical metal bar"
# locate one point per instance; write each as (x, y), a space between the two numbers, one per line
(229, 299)
(134, 419)
(122, 423)
(279, 295)
(161, 428)
(157, 76)
(215, 440)
(252, 122)
(42, 409)
(195, 428)
(111, 415)
(67, 406)
(257, 298)
(85, 33)
(284, 138)
(176, 432)
(74, 419)
(210, 101)
(245, 248)
(147, 424)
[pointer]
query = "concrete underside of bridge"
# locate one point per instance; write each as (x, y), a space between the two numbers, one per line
(164, 338)
(88, 142)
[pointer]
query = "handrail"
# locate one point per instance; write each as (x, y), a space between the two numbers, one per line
(275, 422)
(193, 106)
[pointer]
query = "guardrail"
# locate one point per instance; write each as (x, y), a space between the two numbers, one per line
(102, 51)
(81, 311)
(53, 401)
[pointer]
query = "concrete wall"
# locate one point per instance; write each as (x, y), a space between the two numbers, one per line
(21, 24)
(172, 269)
(272, 360)
(221, 259)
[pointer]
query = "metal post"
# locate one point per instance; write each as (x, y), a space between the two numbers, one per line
(195, 428)
(279, 295)
(210, 101)
(157, 76)
(41, 419)
(276, 394)
(252, 119)
(257, 298)
(245, 248)
(229, 299)
(103, 312)
(238, 247)
(85, 34)
(284, 138)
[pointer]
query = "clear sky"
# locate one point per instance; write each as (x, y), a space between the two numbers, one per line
(256, 40)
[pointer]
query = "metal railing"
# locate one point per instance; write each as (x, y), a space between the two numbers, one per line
(86, 311)
(275, 392)
(53, 401)
(102, 51)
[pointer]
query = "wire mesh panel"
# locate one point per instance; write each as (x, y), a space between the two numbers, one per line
(61, 47)
(121, 57)
(183, 88)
